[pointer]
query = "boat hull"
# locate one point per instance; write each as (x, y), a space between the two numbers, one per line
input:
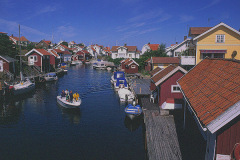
(29, 88)
(62, 102)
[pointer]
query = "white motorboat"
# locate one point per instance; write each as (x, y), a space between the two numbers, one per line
(65, 70)
(23, 87)
(125, 95)
(73, 63)
(64, 103)
(99, 65)
(120, 83)
(51, 77)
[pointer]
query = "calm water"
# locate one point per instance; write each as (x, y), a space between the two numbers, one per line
(35, 127)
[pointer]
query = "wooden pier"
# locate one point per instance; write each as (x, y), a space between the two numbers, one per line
(161, 136)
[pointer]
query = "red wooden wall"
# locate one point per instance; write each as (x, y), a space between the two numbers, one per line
(148, 66)
(228, 137)
(130, 69)
(5, 64)
(165, 88)
(52, 60)
(39, 60)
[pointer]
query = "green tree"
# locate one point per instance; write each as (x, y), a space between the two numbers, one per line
(65, 43)
(7, 47)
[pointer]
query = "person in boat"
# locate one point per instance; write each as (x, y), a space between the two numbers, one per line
(66, 92)
(63, 94)
(75, 96)
(71, 96)
(67, 98)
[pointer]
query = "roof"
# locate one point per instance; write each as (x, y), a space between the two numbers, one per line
(130, 62)
(17, 38)
(164, 74)
(153, 47)
(66, 52)
(47, 42)
(41, 52)
(8, 59)
(58, 50)
(129, 48)
(140, 86)
(54, 53)
(156, 70)
(219, 25)
(212, 89)
(166, 60)
(64, 46)
(198, 30)
(3, 33)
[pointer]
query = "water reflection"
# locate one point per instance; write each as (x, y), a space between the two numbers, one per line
(73, 115)
(10, 113)
(134, 124)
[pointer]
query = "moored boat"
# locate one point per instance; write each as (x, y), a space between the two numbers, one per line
(133, 111)
(120, 83)
(51, 77)
(118, 74)
(64, 103)
(125, 95)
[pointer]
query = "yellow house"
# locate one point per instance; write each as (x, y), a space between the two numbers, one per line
(221, 41)
(163, 62)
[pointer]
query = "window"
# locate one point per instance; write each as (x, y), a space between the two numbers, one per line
(204, 55)
(133, 66)
(218, 55)
(175, 89)
(220, 38)
(35, 58)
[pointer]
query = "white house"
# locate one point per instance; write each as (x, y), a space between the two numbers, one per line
(61, 47)
(91, 50)
(177, 49)
(125, 52)
(149, 47)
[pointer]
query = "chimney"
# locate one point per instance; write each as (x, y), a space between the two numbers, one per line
(148, 42)
(125, 44)
(185, 37)
(176, 42)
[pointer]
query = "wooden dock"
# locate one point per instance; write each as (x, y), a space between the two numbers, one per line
(161, 136)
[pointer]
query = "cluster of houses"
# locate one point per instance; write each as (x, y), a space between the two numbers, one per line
(200, 76)
(209, 92)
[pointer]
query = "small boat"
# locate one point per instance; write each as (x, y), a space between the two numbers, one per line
(22, 87)
(65, 70)
(118, 74)
(120, 83)
(51, 77)
(133, 111)
(62, 65)
(125, 95)
(64, 103)
(99, 65)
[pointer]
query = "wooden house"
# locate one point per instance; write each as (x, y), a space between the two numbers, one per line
(212, 94)
(129, 66)
(43, 44)
(168, 93)
(41, 58)
(163, 62)
(7, 64)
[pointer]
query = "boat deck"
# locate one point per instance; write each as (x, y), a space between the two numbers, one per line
(161, 135)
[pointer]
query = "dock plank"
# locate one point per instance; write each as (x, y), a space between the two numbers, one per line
(161, 135)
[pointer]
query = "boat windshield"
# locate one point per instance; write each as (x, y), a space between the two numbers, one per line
(119, 75)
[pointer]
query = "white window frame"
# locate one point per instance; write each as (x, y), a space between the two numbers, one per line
(173, 90)
(220, 38)
(176, 54)
(133, 66)
(34, 58)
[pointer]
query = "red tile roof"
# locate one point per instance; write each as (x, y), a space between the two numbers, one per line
(163, 73)
(166, 60)
(54, 53)
(47, 42)
(44, 52)
(64, 46)
(198, 30)
(58, 50)
(212, 87)
(66, 52)
(153, 47)
(155, 71)
(148, 60)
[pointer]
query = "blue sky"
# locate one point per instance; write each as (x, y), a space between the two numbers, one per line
(111, 22)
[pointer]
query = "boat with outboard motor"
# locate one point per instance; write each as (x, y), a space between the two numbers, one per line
(125, 95)
(133, 111)
(66, 104)
(120, 83)
(52, 76)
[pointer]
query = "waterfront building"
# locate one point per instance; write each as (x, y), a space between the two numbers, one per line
(7, 64)
(212, 96)
(220, 41)
(165, 90)
(129, 66)
(41, 58)
(62, 47)
(163, 62)
(125, 52)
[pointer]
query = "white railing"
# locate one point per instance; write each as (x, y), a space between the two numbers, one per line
(188, 60)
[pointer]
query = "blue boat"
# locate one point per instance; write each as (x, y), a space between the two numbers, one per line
(116, 75)
(120, 83)
(133, 111)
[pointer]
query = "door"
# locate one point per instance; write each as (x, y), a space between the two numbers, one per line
(31, 60)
